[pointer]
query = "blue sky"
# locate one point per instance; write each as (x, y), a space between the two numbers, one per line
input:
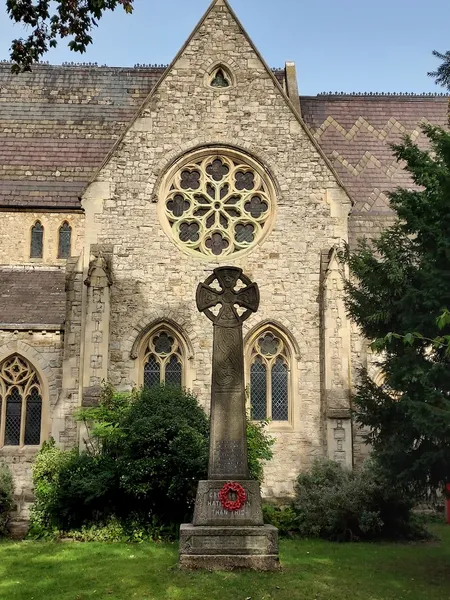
(338, 45)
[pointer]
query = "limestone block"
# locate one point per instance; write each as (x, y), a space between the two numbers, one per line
(209, 510)
(228, 548)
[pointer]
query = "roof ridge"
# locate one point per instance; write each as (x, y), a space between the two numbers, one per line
(388, 94)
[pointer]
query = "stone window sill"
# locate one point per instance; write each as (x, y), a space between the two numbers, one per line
(281, 426)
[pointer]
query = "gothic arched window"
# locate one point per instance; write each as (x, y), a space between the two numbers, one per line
(20, 403)
(64, 240)
(269, 377)
(220, 78)
(37, 240)
(163, 360)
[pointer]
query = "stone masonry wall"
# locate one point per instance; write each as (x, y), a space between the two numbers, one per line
(44, 351)
(15, 236)
(153, 279)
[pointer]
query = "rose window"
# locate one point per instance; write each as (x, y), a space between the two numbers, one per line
(217, 205)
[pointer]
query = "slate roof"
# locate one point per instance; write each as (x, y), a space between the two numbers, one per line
(56, 126)
(32, 297)
(356, 131)
(58, 123)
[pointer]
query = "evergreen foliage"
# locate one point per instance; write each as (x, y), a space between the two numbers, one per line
(6, 497)
(442, 73)
(397, 294)
(334, 503)
(145, 453)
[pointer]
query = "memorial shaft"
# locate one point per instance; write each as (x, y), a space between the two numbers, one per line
(228, 442)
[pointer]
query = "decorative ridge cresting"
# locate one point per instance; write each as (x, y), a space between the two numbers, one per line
(387, 94)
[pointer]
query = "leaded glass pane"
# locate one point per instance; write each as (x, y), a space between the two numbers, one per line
(33, 418)
(173, 372)
(65, 241)
(280, 391)
(152, 372)
(258, 390)
(13, 417)
(37, 241)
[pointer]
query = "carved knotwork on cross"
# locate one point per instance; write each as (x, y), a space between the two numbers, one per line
(228, 297)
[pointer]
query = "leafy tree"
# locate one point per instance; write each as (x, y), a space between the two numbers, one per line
(398, 293)
(442, 73)
(51, 20)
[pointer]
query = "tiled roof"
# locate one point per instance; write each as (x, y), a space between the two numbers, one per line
(32, 297)
(58, 123)
(355, 132)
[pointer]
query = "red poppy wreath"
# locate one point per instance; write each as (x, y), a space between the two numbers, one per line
(224, 496)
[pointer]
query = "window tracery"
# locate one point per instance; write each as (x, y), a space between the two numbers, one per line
(163, 359)
(217, 204)
(220, 78)
(20, 403)
(270, 374)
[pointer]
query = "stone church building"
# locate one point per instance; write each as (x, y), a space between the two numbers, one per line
(123, 188)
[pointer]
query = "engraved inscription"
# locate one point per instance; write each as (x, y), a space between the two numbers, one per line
(215, 508)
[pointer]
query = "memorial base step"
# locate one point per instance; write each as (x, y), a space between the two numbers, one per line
(228, 548)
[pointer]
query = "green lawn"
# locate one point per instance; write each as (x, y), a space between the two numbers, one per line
(312, 570)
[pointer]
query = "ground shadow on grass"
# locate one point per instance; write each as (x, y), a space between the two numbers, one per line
(312, 570)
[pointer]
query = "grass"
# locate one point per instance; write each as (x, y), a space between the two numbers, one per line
(312, 570)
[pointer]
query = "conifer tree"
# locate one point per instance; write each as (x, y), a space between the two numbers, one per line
(398, 289)
(442, 73)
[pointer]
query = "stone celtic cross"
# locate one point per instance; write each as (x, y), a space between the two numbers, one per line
(228, 442)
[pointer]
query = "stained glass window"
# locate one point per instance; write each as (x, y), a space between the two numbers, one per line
(163, 361)
(20, 403)
(65, 240)
(217, 204)
(37, 240)
(269, 377)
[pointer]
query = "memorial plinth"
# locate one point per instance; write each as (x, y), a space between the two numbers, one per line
(228, 531)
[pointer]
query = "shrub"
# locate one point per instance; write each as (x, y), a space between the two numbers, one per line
(6, 497)
(281, 517)
(334, 503)
(259, 448)
(145, 453)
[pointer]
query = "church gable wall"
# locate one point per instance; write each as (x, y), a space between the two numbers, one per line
(153, 279)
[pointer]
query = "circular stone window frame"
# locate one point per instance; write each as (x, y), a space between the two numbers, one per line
(212, 152)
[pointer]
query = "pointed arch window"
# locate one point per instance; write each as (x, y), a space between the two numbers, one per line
(163, 360)
(37, 240)
(64, 240)
(220, 78)
(269, 377)
(20, 403)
